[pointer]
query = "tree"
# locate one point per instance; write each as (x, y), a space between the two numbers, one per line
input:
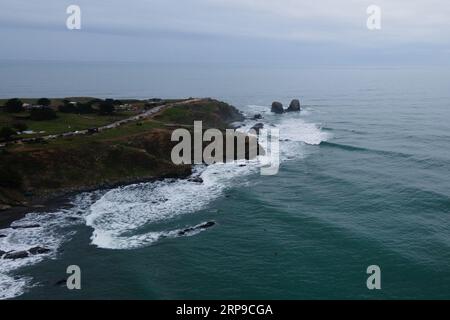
(6, 133)
(14, 105)
(67, 108)
(44, 102)
(106, 107)
(40, 114)
(84, 108)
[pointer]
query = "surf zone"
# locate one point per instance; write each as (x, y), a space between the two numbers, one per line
(224, 146)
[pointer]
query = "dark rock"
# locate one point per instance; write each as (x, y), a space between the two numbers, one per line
(2, 235)
(277, 107)
(16, 255)
(61, 283)
(257, 127)
(39, 250)
(26, 226)
(294, 106)
(202, 226)
(73, 218)
(257, 116)
(196, 179)
(206, 225)
(2, 253)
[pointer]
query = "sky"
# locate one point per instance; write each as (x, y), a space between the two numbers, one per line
(285, 32)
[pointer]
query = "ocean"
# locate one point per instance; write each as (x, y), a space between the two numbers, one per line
(364, 180)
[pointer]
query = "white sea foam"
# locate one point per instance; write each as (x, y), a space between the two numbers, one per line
(118, 216)
(295, 131)
(45, 230)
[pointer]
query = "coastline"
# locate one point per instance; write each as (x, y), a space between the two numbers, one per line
(62, 199)
(144, 146)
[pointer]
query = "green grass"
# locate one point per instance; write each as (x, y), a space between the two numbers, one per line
(64, 123)
(124, 131)
(175, 115)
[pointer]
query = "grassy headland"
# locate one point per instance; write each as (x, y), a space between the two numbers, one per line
(34, 171)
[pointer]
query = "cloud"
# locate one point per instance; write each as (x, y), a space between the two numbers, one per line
(336, 23)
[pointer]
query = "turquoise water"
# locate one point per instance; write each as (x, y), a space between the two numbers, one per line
(364, 180)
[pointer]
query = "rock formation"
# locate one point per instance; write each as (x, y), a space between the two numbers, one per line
(257, 127)
(294, 106)
(277, 107)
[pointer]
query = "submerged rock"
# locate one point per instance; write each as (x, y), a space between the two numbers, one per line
(38, 250)
(73, 218)
(16, 255)
(202, 226)
(196, 179)
(2, 235)
(61, 283)
(257, 127)
(277, 107)
(26, 226)
(294, 106)
(257, 116)
(206, 225)
(2, 253)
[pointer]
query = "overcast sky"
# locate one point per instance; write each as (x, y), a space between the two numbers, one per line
(329, 32)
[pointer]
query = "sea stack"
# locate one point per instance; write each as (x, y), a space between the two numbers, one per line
(294, 106)
(277, 107)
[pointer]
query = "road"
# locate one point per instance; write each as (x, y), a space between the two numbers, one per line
(141, 116)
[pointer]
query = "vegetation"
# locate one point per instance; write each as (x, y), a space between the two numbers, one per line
(67, 108)
(44, 102)
(20, 126)
(41, 114)
(14, 105)
(106, 107)
(88, 161)
(6, 133)
(84, 108)
(10, 178)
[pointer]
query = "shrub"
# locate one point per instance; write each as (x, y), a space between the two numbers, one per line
(20, 126)
(41, 114)
(44, 102)
(10, 178)
(6, 133)
(84, 108)
(14, 105)
(67, 108)
(106, 107)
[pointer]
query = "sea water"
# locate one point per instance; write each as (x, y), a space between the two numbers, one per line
(364, 180)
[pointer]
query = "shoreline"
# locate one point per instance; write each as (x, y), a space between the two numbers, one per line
(62, 200)
(143, 142)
